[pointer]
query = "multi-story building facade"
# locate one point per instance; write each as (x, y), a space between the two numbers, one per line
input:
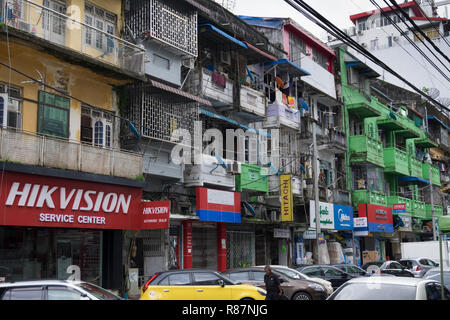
(60, 129)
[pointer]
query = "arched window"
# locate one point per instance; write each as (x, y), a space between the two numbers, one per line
(98, 133)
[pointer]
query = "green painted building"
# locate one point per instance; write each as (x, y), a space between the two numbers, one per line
(385, 164)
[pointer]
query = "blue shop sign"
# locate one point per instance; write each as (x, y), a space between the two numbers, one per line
(343, 217)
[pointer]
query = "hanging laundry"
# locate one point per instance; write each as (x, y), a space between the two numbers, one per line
(219, 79)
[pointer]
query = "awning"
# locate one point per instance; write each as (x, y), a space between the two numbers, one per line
(182, 95)
(413, 179)
(438, 120)
(234, 122)
(289, 67)
(444, 223)
(208, 29)
(425, 143)
(407, 134)
(260, 54)
(351, 61)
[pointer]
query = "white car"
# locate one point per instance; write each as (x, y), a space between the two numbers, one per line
(292, 273)
(54, 290)
(390, 288)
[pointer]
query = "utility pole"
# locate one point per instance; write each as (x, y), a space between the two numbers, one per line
(432, 206)
(315, 172)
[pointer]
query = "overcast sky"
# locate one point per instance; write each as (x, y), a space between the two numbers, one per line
(337, 11)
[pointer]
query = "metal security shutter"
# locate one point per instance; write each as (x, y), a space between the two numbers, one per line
(153, 242)
(240, 249)
(204, 248)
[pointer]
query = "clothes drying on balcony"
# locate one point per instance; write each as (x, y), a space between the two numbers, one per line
(219, 79)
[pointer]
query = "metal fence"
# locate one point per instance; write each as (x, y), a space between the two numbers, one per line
(33, 149)
(52, 24)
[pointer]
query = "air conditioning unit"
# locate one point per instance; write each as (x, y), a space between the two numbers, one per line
(274, 216)
(225, 57)
(24, 26)
(234, 168)
(189, 63)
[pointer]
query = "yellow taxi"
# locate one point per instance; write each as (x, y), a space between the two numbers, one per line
(197, 285)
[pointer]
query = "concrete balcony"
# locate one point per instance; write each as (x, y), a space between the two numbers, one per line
(34, 22)
(435, 174)
(438, 211)
(415, 167)
(367, 196)
(278, 114)
(365, 149)
(206, 174)
(333, 141)
(201, 83)
(252, 102)
(395, 161)
(32, 149)
(391, 200)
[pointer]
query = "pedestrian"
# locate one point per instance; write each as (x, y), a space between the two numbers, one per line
(272, 282)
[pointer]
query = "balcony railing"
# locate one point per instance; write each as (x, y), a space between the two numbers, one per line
(396, 161)
(391, 200)
(418, 209)
(368, 196)
(212, 86)
(435, 174)
(32, 149)
(70, 33)
(252, 101)
(366, 149)
(438, 211)
(415, 167)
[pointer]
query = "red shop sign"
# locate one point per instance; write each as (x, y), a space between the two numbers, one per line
(155, 214)
(40, 201)
(375, 213)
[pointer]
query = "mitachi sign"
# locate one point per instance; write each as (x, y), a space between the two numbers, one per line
(41, 201)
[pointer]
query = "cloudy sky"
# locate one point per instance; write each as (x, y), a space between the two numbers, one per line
(337, 11)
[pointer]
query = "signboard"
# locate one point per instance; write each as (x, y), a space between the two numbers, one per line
(407, 223)
(155, 214)
(309, 235)
(187, 244)
(287, 210)
(281, 233)
(360, 222)
(218, 205)
(321, 238)
(379, 218)
(399, 208)
(332, 216)
(42, 201)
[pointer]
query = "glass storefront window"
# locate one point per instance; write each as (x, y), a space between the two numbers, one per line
(38, 253)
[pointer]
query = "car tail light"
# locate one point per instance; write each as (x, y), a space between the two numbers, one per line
(148, 282)
(418, 268)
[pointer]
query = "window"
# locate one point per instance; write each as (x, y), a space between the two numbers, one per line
(374, 44)
(161, 61)
(376, 291)
(389, 41)
(96, 127)
(313, 272)
(10, 106)
(289, 273)
(395, 265)
(53, 115)
(239, 276)
(297, 49)
(258, 275)
(30, 293)
(62, 293)
(320, 59)
(433, 291)
(180, 279)
(206, 279)
(104, 21)
(330, 272)
(427, 262)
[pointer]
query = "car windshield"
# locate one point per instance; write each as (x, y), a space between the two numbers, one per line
(353, 269)
(97, 292)
(289, 273)
(374, 291)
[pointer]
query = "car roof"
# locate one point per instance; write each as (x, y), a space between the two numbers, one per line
(38, 283)
(186, 270)
(244, 269)
(407, 281)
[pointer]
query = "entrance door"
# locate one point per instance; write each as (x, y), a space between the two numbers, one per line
(204, 248)
(54, 25)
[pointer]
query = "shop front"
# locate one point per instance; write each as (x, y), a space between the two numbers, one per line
(380, 230)
(62, 228)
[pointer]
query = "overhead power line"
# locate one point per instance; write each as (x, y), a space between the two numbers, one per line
(435, 28)
(325, 24)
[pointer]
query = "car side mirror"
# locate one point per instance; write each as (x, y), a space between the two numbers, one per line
(282, 280)
(221, 283)
(344, 276)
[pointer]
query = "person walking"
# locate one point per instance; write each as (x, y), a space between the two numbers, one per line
(273, 285)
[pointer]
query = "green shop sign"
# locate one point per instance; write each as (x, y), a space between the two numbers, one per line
(252, 177)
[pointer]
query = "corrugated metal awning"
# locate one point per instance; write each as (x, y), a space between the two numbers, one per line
(179, 92)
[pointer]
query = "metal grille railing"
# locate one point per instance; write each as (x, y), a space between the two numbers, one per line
(33, 149)
(166, 21)
(58, 28)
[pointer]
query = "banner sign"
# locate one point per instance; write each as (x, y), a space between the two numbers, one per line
(399, 208)
(332, 216)
(281, 233)
(41, 201)
(287, 210)
(379, 218)
(218, 205)
(155, 214)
